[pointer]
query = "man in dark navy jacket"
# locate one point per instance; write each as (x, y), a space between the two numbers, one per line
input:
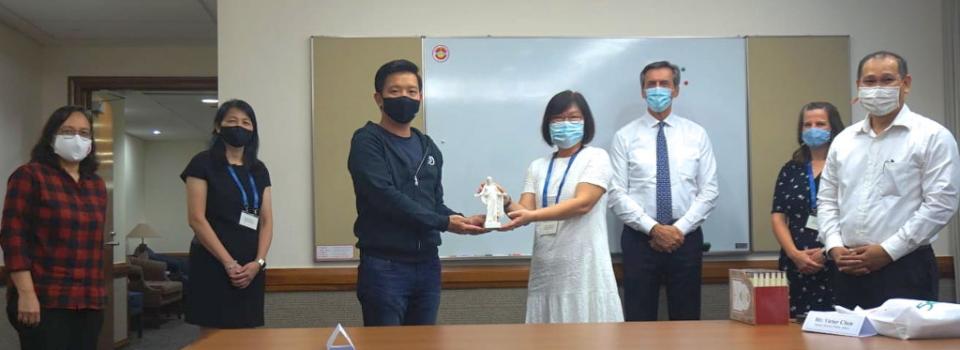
(396, 173)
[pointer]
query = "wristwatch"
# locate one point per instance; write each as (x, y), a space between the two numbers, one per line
(262, 263)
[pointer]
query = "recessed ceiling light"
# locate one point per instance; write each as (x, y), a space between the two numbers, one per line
(157, 132)
(211, 101)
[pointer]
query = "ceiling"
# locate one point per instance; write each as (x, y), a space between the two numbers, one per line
(177, 115)
(64, 22)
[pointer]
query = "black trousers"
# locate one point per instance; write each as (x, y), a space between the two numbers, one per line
(645, 270)
(59, 329)
(914, 276)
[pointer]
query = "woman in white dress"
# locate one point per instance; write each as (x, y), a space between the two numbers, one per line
(571, 275)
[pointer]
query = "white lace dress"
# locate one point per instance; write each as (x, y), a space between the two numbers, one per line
(571, 275)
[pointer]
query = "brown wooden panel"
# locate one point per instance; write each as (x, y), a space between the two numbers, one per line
(500, 276)
(469, 277)
(80, 89)
(311, 279)
(945, 263)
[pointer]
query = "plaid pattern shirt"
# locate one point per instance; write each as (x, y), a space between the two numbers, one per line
(53, 227)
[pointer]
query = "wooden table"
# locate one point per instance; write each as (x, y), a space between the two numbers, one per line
(700, 335)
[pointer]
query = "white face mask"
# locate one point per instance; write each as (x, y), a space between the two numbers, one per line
(880, 101)
(72, 148)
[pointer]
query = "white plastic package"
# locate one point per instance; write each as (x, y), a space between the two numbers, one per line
(913, 319)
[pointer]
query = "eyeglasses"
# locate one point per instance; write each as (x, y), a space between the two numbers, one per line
(566, 118)
(85, 133)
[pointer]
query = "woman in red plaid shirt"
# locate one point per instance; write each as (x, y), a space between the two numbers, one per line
(52, 238)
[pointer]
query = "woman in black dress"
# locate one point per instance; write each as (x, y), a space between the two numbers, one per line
(229, 208)
(794, 211)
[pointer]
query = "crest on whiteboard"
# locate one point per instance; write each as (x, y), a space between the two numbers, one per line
(441, 53)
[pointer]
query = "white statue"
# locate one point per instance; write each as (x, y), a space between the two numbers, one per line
(493, 198)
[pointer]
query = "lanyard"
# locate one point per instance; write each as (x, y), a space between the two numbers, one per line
(243, 193)
(813, 187)
(563, 180)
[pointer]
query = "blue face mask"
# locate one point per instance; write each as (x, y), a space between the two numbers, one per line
(566, 134)
(659, 98)
(815, 137)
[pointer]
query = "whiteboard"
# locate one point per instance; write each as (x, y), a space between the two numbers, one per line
(484, 100)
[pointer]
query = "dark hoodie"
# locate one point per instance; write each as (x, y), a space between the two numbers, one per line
(400, 210)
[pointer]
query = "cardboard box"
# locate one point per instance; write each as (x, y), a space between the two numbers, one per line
(759, 296)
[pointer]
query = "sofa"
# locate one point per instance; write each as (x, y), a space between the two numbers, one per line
(160, 294)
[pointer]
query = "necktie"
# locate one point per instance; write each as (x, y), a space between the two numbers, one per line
(664, 200)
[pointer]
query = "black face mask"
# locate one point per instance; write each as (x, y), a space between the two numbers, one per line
(401, 109)
(236, 136)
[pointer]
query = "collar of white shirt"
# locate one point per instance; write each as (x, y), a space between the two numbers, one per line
(904, 118)
(648, 120)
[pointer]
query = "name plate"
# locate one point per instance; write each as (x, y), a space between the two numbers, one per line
(333, 339)
(849, 325)
(334, 252)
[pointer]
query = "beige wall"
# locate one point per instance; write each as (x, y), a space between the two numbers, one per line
(60, 62)
(33, 82)
(19, 91)
(57, 63)
(128, 191)
(165, 199)
(264, 57)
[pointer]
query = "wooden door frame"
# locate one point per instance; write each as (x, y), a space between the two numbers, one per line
(80, 91)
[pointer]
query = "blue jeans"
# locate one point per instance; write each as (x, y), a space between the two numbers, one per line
(393, 293)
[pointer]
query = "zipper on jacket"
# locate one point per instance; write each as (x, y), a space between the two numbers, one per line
(416, 182)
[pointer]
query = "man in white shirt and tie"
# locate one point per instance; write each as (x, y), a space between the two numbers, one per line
(889, 185)
(664, 187)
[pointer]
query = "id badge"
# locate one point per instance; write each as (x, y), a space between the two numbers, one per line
(812, 223)
(548, 228)
(249, 220)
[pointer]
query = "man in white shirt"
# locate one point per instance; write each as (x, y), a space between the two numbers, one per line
(889, 185)
(664, 187)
